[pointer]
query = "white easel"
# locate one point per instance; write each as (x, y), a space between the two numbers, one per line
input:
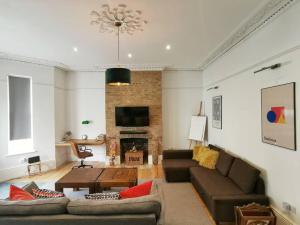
(197, 128)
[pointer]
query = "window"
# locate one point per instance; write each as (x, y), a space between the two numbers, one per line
(20, 115)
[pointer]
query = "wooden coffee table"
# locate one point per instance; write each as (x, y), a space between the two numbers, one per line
(80, 178)
(117, 177)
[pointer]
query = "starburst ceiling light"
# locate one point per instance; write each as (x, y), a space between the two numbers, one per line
(118, 20)
(107, 17)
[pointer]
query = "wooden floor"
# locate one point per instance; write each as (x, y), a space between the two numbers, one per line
(144, 172)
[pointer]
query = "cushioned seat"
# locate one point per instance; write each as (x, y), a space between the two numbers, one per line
(209, 182)
(177, 170)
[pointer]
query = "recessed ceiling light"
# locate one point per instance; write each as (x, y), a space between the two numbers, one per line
(168, 47)
(75, 49)
(129, 55)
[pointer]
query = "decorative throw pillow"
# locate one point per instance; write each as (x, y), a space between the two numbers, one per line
(103, 196)
(45, 193)
(209, 159)
(201, 153)
(196, 150)
(137, 191)
(17, 194)
(28, 187)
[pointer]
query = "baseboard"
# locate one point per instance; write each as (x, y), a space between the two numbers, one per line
(21, 171)
(281, 218)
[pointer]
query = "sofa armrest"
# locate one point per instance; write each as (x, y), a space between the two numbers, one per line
(223, 206)
(178, 154)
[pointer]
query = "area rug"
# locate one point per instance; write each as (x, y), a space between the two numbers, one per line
(183, 206)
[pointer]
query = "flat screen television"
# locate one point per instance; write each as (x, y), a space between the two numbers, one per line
(132, 116)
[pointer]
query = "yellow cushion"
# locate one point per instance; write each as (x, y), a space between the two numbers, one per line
(196, 150)
(209, 159)
(201, 154)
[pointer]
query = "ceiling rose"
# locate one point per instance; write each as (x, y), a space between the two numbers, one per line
(127, 20)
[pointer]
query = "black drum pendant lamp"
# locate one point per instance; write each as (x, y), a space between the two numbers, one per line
(118, 76)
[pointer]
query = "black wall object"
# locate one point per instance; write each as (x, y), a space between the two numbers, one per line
(212, 88)
(273, 67)
(34, 159)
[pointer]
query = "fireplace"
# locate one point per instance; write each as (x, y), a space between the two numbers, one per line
(127, 144)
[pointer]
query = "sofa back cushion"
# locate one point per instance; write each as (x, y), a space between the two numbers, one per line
(149, 204)
(260, 187)
(243, 175)
(52, 206)
(224, 163)
(215, 147)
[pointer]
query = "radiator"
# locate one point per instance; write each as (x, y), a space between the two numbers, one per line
(281, 218)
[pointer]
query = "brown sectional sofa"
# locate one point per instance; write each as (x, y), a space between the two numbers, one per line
(233, 183)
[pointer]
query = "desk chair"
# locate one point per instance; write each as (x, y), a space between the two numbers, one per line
(81, 153)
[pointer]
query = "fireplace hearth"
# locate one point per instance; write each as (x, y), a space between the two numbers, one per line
(127, 144)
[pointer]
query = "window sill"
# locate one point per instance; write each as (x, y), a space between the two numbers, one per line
(18, 154)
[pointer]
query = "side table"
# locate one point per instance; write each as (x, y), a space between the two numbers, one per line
(254, 214)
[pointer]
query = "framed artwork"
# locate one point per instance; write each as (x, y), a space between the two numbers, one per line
(278, 120)
(217, 112)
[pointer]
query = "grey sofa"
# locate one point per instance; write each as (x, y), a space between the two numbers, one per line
(61, 211)
(233, 183)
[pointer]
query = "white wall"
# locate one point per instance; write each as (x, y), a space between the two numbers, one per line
(62, 153)
(43, 117)
(181, 96)
(85, 94)
(240, 88)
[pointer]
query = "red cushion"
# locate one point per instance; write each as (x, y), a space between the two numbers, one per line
(16, 193)
(137, 191)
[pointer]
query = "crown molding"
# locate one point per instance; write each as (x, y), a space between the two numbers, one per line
(174, 68)
(133, 67)
(37, 61)
(101, 68)
(263, 16)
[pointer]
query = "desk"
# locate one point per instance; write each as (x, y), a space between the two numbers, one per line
(61, 150)
(80, 142)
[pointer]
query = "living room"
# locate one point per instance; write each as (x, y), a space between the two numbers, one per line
(63, 106)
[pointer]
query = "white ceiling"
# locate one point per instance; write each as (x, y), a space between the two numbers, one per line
(49, 29)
